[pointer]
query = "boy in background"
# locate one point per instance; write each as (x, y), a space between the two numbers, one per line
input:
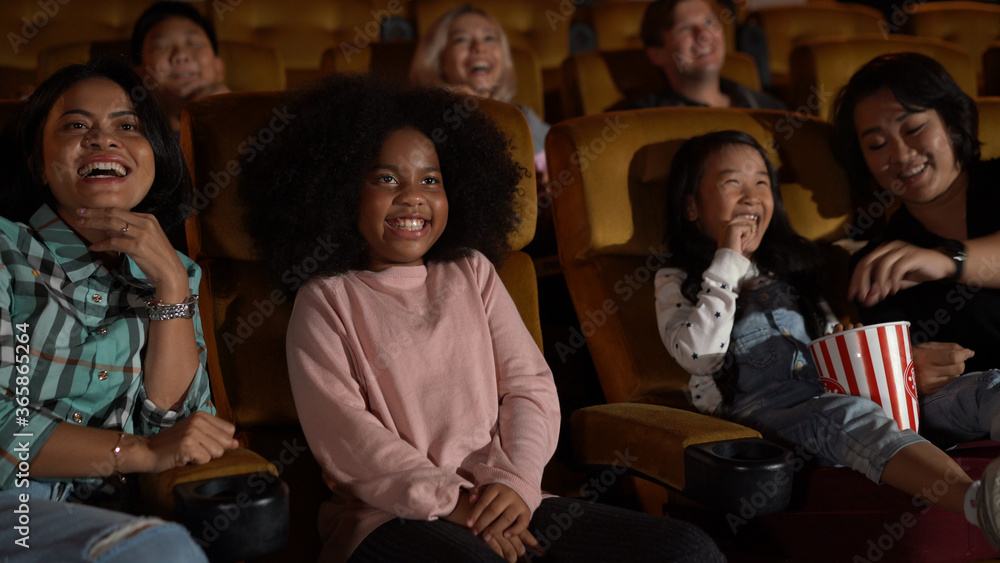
(174, 48)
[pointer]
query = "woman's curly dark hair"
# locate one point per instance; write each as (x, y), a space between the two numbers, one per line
(306, 185)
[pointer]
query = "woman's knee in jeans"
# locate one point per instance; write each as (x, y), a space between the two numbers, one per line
(145, 539)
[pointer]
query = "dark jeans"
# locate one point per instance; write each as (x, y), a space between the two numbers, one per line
(568, 529)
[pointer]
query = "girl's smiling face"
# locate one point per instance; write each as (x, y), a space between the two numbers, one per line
(94, 152)
(404, 208)
(735, 187)
(909, 153)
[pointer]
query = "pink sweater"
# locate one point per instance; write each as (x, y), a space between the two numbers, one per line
(413, 383)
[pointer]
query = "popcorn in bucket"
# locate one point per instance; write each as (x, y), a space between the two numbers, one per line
(873, 362)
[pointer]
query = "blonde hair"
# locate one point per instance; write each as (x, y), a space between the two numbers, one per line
(425, 70)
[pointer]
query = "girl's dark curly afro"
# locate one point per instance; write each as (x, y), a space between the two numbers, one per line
(304, 189)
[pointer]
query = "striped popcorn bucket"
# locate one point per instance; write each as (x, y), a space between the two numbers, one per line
(873, 362)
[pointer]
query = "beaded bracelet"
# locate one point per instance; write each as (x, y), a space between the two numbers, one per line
(116, 454)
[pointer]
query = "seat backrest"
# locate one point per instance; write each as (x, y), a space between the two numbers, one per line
(302, 30)
(784, 25)
(991, 70)
(7, 109)
(537, 25)
(30, 26)
(393, 58)
(249, 66)
(824, 65)
(245, 313)
(617, 25)
(51, 59)
(989, 126)
(595, 80)
(972, 25)
(608, 183)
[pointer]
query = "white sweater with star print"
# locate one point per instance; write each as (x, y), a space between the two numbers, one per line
(697, 335)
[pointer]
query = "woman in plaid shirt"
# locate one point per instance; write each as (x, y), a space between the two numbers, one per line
(102, 363)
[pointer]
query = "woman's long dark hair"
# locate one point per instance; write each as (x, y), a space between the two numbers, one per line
(919, 83)
(22, 192)
(782, 253)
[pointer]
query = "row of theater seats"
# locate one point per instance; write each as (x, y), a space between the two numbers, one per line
(300, 33)
(608, 227)
(606, 209)
(267, 46)
(591, 81)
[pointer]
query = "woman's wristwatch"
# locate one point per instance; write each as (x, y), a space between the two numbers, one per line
(159, 311)
(955, 249)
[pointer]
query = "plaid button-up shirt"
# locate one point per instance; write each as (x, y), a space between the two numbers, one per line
(72, 340)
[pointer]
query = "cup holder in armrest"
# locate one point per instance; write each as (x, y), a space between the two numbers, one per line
(750, 476)
(235, 517)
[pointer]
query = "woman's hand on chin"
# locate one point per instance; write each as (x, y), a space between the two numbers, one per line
(140, 236)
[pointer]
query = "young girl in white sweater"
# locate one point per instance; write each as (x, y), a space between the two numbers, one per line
(738, 308)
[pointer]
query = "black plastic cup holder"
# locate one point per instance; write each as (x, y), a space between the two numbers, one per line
(748, 477)
(236, 517)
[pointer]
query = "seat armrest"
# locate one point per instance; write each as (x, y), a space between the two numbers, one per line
(158, 488)
(717, 463)
(648, 439)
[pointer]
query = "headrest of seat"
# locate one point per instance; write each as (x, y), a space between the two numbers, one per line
(219, 134)
(989, 126)
(512, 122)
(629, 153)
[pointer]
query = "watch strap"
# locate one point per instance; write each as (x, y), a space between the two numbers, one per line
(955, 249)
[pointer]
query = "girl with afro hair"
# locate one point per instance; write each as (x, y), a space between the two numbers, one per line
(421, 393)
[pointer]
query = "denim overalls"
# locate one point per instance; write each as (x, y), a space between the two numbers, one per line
(777, 388)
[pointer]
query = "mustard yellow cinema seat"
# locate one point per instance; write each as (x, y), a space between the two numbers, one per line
(971, 25)
(991, 70)
(30, 26)
(989, 126)
(249, 66)
(299, 31)
(784, 25)
(607, 181)
(822, 66)
(245, 313)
